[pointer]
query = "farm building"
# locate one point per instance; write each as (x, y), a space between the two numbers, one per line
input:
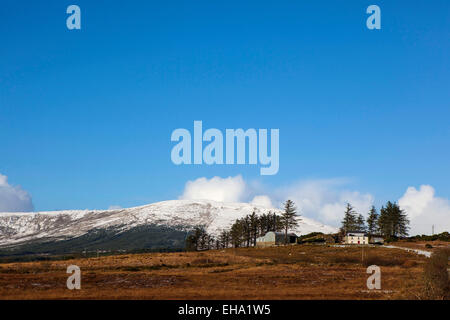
(375, 239)
(356, 237)
(275, 238)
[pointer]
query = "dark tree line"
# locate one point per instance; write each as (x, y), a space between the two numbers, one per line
(199, 239)
(390, 222)
(245, 231)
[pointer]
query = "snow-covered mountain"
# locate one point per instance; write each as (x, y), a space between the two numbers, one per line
(17, 228)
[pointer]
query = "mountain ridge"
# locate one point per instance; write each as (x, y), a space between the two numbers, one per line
(23, 227)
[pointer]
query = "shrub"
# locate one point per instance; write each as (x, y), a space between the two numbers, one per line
(44, 266)
(444, 236)
(409, 264)
(428, 246)
(381, 261)
(201, 261)
(345, 259)
(131, 269)
(391, 239)
(436, 280)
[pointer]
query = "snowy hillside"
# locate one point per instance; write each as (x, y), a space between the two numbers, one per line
(16, 228)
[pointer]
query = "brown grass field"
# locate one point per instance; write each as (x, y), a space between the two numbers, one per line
(421, 245)
(292, 272)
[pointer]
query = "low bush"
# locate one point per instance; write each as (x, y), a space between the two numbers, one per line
(436, 282)
(409, 264)
(131, 269)
(444, 236)
(345, 259)
(383, 261)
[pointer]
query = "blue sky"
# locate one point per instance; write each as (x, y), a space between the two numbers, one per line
(86, 115)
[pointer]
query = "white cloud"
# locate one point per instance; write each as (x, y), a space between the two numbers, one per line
(13, 198)
(262, 201)
(114, 207)
(325, 199)
(231, 189)
(322, 200)
(424, 210)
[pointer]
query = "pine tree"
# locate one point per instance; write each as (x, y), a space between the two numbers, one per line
(277, 223)
(393, 221)
(361, 225)
(266, 223)
(211, 241)
(289, 217)
(270, 222)
(253, 221)
(350, 221)
(198, 239)
(384, 225)
(224, 239)
(372, 221)
(203, 241)
(191, 243)
(247, 230)
(401, 225)
(236, 233)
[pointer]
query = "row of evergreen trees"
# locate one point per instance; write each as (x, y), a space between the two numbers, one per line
(390, 222)
(244, 231)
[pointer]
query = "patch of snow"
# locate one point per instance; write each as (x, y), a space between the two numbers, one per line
(421, 252)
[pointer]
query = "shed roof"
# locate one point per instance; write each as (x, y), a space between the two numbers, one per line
(290, 234)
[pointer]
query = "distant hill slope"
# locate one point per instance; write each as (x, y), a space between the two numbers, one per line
(141, 238)
(131, 228)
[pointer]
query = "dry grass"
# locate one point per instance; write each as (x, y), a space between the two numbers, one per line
(436, 280)
(293, 272)
(422, 245)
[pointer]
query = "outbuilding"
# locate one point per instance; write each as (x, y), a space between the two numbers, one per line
(272, 238)
(376, 239)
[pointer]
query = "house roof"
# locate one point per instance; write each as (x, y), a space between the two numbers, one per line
(363, 232)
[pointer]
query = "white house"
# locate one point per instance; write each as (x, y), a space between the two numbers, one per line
(356, 237)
